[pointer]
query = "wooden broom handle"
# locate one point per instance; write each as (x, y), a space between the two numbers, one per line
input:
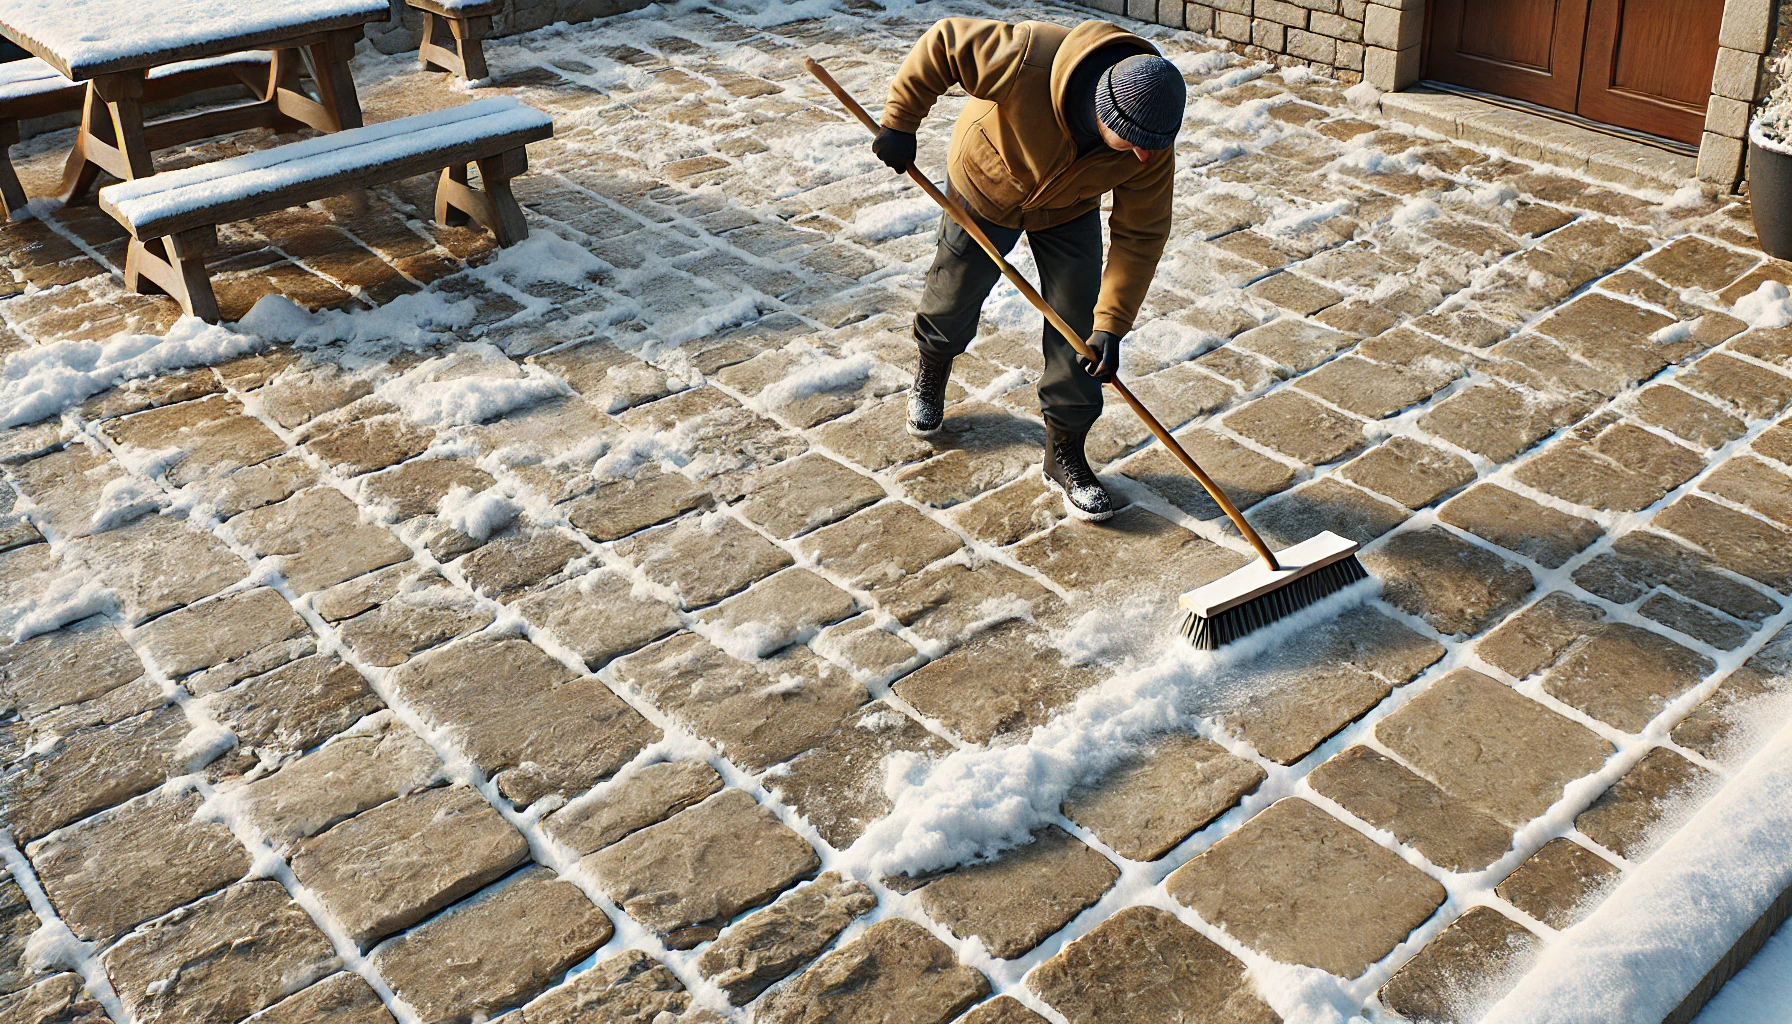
(958, 213)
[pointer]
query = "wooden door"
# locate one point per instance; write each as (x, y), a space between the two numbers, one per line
(1527, 49)
(1648, 64)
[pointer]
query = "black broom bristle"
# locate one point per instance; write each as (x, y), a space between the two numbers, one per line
(1212, 633)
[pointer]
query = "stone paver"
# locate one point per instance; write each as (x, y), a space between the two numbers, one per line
(1303, 887)
(691, 874)
(1528, 410)
(507, 943)
(895, 970)
(1469, 966)
(1558, 883)
(1142, 965)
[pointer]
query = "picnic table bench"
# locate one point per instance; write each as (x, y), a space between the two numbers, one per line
(32, 88)
(113, 45)
(453, 35)
(173, 216)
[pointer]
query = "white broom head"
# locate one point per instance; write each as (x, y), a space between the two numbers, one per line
(1256, 579)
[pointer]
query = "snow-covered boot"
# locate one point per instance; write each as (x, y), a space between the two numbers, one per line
(1067, 471)
(927, 399)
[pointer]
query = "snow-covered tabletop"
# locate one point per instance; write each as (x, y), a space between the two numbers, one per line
(86, 38)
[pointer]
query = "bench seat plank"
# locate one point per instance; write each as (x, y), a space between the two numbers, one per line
(275, 179)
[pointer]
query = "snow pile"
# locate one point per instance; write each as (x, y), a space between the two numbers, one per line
(1768, 306)
(894, 219)
(436, 393)
(477, 515)
(1676, 914)
(545, 258)
(975, 803)
(412, 321)
(68, 598)
(1363, 97)
(43, 381)
(121, 501)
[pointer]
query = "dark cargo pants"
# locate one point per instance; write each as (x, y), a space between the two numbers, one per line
(1069, 259)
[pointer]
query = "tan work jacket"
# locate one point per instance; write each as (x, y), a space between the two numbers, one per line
(1012, 158)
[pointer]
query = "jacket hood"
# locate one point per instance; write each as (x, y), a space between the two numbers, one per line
(1083, 40)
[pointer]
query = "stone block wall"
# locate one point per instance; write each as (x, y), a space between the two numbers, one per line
(406, 27)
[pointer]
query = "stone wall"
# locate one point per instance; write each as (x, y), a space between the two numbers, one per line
(1739, 83)
(406, 27)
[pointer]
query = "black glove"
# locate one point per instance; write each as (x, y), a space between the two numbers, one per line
(896, 149)
(1106, 345)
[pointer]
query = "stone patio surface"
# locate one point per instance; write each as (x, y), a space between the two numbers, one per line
(523, 636)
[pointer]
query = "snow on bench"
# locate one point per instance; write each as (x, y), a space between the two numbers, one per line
(185, 206)
(34, 88)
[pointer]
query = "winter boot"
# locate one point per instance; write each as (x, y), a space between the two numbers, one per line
(1067, 471)
(927, 399)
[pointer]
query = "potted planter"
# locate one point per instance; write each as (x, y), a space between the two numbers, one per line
(1770, 186)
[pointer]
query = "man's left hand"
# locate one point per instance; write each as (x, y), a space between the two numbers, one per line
(1106, 345)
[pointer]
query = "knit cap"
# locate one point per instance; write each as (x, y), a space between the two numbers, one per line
(1140, 99)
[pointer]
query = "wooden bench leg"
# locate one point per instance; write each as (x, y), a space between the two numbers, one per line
(469, 34)
(493, 206)
(12, 194)
(80, 173)
(436, 52)
(175, 266)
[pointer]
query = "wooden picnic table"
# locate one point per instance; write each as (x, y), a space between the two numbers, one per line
(112, 44)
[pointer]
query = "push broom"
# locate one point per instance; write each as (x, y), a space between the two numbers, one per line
(1247, 598)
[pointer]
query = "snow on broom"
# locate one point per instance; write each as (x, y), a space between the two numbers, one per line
(1247, 599)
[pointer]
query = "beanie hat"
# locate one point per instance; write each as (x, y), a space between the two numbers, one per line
(1140, 99)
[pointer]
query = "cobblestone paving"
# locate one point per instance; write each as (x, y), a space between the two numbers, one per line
(327, 745)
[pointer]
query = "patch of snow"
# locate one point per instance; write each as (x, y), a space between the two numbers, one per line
(53, 947)
(545, 258)
(207, 742)
(894, 219)
(1689, 196)
(1637, 954)
(412, 321)
(43, 381)
(1202, 62)
(1416, 211)
(68, 598)
(817, 376)
(477, 515)
(1768, 306)
(123, 500)
(439, 393)
(1363, 97)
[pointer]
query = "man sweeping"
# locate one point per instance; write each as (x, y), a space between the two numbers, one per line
(1058, 118)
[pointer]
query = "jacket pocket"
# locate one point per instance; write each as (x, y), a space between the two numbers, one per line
(989, 172)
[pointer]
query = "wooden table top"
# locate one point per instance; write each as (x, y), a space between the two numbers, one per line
(87, 38)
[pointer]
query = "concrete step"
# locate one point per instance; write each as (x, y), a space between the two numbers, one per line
(1530, 136)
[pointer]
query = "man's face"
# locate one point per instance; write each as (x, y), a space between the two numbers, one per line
(1116, 142)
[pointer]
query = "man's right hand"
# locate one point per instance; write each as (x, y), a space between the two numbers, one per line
(896, 149)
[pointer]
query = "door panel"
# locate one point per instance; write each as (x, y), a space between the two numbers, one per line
(1649, 63)
(1526, 49)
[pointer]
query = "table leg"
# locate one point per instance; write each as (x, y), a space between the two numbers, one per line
(335, 86)
(111, 137)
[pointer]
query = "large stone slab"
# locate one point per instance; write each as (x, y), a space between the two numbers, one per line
(1467, 968)
(1160, 797)
(804, 493)
(1135, 552)
(1486, 744)
(766, 946)
(1143, 966)
(512, 565)
(1411, 473)
(759, 712)
(1450, 583)
(1026, 894)
(1737, 541)
(17, 924)
(390, 867)
(61, 999)
(631, 802)
(785, 608)
(1535, 637)
(295, 707)
(220, 959)
(1000, 682)
(1647, 804)
(618, 508)
(559, 734)
(1559, 883)
(896, 971)
(1382, 792)
(703, 559)
(137, 861)
(1517, 523)
(629, 987)
(1624, 468)
(880, 545)
(421, 614)
(213, 433)
(202, 635)
(80, 661)
(342, 998)
(1299, 885)
(598, 616)
(1624, 675)
(338, 780)
(157, 564)
(689, 875)
(838, 785)
(319, 538)
(1289, 701)
(93, 769)
(508, 943)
